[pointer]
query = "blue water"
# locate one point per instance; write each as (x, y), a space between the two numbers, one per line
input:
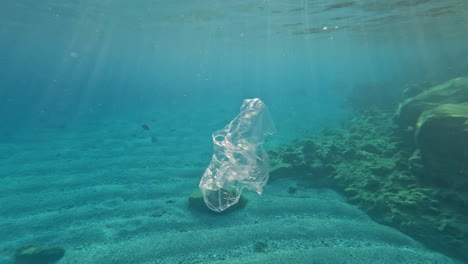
(66, 61)
(79, 78)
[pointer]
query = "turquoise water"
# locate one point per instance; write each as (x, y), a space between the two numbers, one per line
(80, 79)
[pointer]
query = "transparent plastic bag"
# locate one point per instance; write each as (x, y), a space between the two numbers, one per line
(239, 160)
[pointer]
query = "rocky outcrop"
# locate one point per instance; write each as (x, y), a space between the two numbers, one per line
(442, 137)
(437, 121)
(377, 172)
(454, 91)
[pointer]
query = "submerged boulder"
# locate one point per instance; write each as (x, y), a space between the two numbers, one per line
(436, 121)
(454, 91)
(442, 136)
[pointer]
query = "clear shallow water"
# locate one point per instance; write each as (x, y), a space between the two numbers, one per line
(78, 78)
(65, 60)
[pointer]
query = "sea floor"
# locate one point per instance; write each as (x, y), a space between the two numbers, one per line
(118, 195)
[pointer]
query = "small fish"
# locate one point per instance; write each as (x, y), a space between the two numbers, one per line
(145, 127)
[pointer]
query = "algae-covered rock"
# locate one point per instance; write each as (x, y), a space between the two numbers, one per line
(37, 255)
(437, 121)
(453, 91)
(197, 203)
(442, 136)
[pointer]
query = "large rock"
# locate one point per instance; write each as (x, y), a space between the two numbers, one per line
(442, 136)
(454, 91)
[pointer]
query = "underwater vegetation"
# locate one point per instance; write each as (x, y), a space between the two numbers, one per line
(408, 171)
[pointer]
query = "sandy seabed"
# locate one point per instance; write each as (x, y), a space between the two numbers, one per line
(118, 194)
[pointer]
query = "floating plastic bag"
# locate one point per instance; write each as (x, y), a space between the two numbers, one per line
(239, 160)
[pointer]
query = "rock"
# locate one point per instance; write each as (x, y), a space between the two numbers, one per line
(308, 149)
(372, 184)
(415, 164)
(260, 247)
(293, 158)
(370, 147)
(438, 120)
(415, 89)
(287, 171)
(453, 91)
(197, 203)
(349, 153)
(37, 255)
(293, 188)
(442, 136)
(383, 168)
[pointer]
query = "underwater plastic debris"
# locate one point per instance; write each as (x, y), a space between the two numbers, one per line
(239, 160)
